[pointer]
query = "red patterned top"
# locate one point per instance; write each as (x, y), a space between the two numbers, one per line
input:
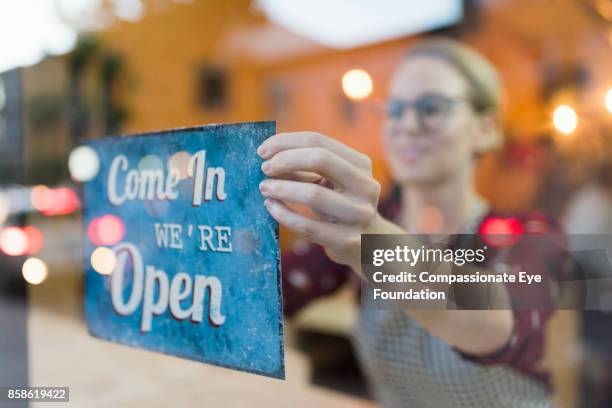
(309, 274)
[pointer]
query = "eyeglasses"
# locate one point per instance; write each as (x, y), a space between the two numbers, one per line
(431, 110)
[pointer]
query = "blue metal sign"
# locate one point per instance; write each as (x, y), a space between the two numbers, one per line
(192, 264)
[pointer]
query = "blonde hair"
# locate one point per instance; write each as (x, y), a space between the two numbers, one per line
(485, 91)
(484, 86)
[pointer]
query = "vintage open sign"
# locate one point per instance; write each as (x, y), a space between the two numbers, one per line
(197, 270)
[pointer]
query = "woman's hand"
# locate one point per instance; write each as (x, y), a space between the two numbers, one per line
(332, 180)
(336, 183)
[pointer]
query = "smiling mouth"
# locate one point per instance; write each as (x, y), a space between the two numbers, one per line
(412, 153)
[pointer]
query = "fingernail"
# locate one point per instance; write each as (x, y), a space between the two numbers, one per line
(263, 186)
(265, 166)
(267, 203)
(261, 151)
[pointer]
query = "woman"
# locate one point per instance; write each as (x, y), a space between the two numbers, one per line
(442, 114)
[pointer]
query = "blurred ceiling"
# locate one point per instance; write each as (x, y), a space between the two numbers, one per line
(557, 27)
(558, 20)
(352, 23)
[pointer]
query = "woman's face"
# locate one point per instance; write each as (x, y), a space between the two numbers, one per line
(431, 131)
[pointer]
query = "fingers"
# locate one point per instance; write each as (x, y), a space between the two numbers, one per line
(322, 233)
(296, 140)
(303, 176)
(319, 199)
(317, 160)
(333, 180)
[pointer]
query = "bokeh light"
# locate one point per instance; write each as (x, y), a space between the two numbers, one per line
(157, 208)
(35, 239)
(565, 119)
(150, 162)
(357, 84)
(103, 260)
(106, 230)
(501, 232)
(129, 10)
(608, 100)
(110, 230)
(34, 271)
(13, 241)
(41, 198)
(54, 201)
(40, 31)
(180, 161)
(83, 163)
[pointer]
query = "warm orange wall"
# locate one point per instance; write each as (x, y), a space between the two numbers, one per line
(163, 53)
(164, 50)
